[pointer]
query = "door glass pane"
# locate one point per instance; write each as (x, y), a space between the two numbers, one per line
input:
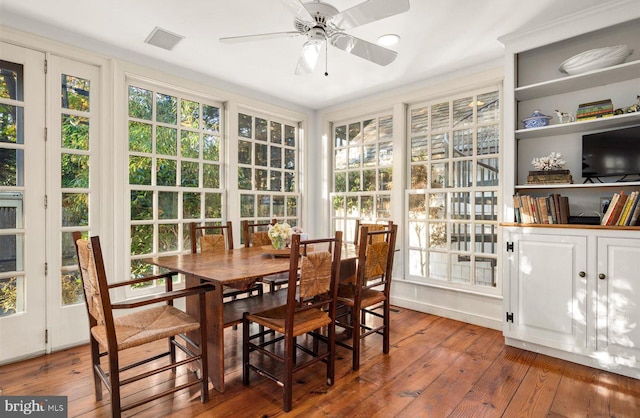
(211, 118)
(75, 93)
(189, 144)
(75, 209)
(75, 171)
(463, 112)
(440, 116)
(261, 129)
(11, 167)
(75, 132)
(166, 141)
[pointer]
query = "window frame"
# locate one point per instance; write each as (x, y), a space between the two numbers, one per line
(476, 258)
(180, 221)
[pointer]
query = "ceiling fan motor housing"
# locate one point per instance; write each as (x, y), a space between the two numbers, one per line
(321, 13)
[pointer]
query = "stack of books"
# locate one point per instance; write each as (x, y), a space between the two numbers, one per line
(549, 177)
(552, 209)
(623, 210)
(594, 110)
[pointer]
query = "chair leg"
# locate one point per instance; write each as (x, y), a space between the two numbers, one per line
(385, 332)
(331, 346)
(289, 345)
(95, 362)
(245, 350)
(355, 339)
(204, 361)
(114, 380)
(172, 352)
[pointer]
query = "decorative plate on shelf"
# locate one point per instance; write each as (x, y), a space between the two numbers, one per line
(595, 59)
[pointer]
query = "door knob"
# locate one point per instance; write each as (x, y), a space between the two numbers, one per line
(582, 274)
(602, 276)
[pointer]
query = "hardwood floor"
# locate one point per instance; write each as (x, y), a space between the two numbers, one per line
(436, 368)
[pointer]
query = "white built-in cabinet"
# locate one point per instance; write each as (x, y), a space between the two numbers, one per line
(570, 291)
(574, 294)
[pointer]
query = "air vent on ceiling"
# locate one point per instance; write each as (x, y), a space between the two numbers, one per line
(162, 38)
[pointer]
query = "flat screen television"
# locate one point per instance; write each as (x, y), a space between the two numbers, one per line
(612, 153)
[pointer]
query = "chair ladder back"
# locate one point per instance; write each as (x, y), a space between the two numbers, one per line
(319, 272)
(376, 257)
(94, 283)
(253, 235)
(211, 237)
(372, 227)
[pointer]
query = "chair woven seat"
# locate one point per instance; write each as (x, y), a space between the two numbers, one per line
(303, 322)
(147, 326)
(346, 295)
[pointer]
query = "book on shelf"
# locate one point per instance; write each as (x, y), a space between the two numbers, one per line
(615, 209)
(612, 204)
(552, 209)
(633, 220)
(626, 213)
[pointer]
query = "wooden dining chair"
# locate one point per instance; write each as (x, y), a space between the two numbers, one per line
(109, 336)
(310, 310)
(257, 235)
(214, 238)
(360, 296)
(372, 227)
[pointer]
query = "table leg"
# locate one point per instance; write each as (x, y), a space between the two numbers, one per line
(215, 330)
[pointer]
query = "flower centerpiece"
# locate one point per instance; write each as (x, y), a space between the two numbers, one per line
(280, 235)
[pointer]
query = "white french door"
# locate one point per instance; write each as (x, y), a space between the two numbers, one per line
(22, 206)
(72, 197)
(48, 138)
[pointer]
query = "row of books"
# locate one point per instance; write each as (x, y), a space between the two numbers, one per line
(623, 210)
(552, 209)
(593, 110)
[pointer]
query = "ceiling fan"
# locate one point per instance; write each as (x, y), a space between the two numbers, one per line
(321, 22)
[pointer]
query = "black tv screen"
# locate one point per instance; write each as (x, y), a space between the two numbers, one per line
(612, 153)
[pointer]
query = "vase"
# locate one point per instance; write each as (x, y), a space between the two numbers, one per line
(278, 243)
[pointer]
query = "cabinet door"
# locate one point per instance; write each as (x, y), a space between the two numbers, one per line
(618, 306)
(547, 293)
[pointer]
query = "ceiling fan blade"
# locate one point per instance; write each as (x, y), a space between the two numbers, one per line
(259, 37)
(308, 57)
(363, 49)
(367, 12)
(297, 8)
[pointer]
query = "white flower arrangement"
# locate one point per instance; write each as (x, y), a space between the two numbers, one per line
(552, 162)
(280, 234)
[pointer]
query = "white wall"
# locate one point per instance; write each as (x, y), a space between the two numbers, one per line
(316, 165)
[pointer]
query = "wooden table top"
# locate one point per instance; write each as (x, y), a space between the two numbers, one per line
(233, 266)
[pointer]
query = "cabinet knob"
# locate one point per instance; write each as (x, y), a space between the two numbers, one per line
(602, 276)
(582, 274)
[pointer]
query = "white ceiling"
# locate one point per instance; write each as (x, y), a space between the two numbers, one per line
(437, 37)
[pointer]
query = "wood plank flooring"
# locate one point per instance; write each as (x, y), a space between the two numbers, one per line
(437, 367)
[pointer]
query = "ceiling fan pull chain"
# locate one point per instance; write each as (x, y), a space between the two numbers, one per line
(326, 59)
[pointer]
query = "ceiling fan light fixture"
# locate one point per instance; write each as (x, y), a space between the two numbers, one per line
(308, 57)
(388, 39)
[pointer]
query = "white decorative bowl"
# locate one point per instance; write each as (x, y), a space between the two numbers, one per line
(595, 59)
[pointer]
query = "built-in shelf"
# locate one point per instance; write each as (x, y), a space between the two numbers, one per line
(614, 185)
(571, 226)
(617, 121)
(622, 72)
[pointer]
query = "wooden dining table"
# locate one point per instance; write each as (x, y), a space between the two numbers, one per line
(238, 268)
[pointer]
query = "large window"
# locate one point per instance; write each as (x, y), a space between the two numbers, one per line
(362, 172)
(452, 201)
(175, 159)
(268, 169)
